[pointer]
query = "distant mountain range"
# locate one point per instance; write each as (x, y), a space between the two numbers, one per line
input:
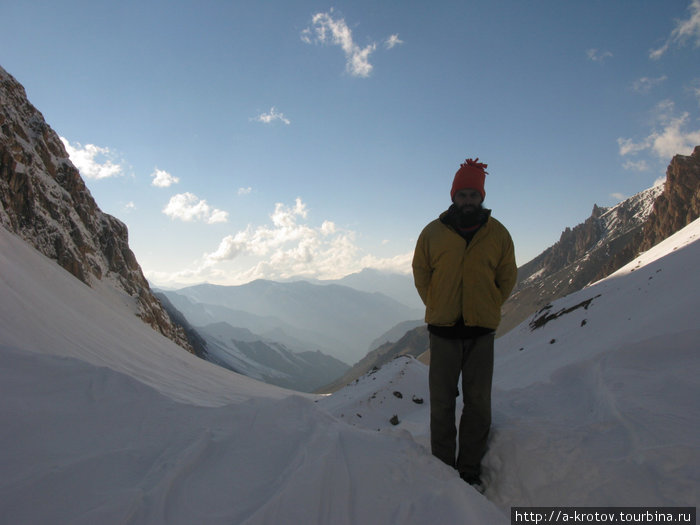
(397, 286)
(337, 320)
(299, 334)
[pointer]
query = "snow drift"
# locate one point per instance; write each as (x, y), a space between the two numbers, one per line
(596, 398)
(104, 420)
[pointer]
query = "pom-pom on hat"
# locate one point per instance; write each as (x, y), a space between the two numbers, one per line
(471, 174)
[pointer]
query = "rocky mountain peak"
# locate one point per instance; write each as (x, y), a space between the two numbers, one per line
(44, 200)
(598, 211)
(676, 207)
(679, 205)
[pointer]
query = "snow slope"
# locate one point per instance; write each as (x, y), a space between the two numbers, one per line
(599, 406)
(105, 421)
(44, 309)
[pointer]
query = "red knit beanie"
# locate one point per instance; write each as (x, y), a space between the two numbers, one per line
(472, 175)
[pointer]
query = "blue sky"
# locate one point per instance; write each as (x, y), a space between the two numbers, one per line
(269, 139)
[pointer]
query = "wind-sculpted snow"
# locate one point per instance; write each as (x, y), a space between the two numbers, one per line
(100, 447)
(599, 406)
(617, 429)
(656, 293)
(396, 395)
(45, 309)
(106, 421)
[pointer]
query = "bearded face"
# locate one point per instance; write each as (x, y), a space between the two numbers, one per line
(468, 201)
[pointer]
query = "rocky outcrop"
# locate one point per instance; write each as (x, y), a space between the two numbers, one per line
(679, 205)
(579, 257)
(675, 208)
(607, 240)
(44, 200)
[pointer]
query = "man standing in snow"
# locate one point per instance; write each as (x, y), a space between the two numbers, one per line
(464, 269)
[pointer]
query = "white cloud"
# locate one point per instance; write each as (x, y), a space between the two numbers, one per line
(598, 56)
(628, 146)
(187, 277)
(266, 240)
(245, 191)
(163, 179)
(645, 84)
(272, 116)
(328, 228)
(695, 89)
(397, 264)
(217, 216)
(618, 196)
(327, 30)
(392, 41)
(92, 161)
(288, 246)
(671, 138)
(684, 30)
(188, 207)
(641, 165)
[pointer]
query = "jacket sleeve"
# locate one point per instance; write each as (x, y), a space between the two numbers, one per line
(507, 270)
(422, 271)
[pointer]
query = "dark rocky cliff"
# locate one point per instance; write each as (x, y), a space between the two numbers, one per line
(44, 200)
(676, 207)
(679, 205)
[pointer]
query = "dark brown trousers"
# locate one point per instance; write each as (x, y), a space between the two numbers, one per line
(473, 359)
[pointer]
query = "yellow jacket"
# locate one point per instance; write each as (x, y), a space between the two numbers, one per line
(458, 281)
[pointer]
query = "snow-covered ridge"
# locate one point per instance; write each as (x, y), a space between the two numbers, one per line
(634, 210)
(582, 255)
(640, 300)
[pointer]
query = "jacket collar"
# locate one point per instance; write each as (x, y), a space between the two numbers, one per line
(450, 218)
